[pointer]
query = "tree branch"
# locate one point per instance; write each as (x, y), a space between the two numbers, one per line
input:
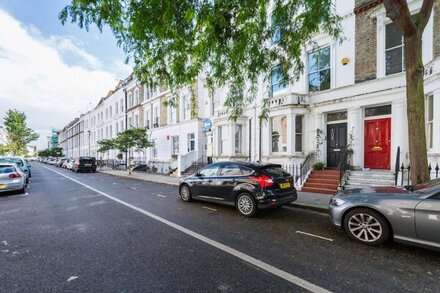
(398, 12)
(424, 15)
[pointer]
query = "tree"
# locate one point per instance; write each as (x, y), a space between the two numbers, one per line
(53, 152)
(230, 42)
(130, 139)
(19, 135)
(412, 30)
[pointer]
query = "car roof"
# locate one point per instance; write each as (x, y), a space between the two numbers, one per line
(257, 165)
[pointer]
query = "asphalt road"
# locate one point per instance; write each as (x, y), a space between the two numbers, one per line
(103, 233)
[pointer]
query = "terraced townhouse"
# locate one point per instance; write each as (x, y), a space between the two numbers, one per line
(351, 97)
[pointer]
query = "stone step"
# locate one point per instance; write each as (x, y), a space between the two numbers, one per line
(321, 185)
(372, 176)
(369, 180)
(369, 183)
(323, 180)
(325, 172)
(319, 190)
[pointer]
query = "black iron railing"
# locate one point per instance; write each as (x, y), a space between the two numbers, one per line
(433, 173)
(305, 167)
(396, 166)
(344, 166)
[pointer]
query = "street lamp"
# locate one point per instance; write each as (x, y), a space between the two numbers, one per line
(88, 132)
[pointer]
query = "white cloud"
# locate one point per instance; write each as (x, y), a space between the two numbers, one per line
(34, 77)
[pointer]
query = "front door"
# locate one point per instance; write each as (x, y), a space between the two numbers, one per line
(336, 143)
(377, 143)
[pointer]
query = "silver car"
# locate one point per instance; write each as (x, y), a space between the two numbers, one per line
(373, 215)
(12, 178)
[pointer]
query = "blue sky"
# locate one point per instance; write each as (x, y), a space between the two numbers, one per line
(44, 17)
(50, 71)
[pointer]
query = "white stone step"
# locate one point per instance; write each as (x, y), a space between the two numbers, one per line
(365, 183)
(389, 176)
(371, 181)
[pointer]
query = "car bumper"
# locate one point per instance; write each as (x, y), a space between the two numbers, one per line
(274, 202)
(11, 186)
(83, 168)
(336, 212)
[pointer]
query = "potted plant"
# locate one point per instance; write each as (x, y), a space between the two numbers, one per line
(318, 166)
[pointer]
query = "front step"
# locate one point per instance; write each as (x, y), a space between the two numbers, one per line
(360, 179)
(323, 181)
(332, 186)
(319, 190)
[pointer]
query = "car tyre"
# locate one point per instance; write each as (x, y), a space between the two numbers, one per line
(185, 193)
(246, 205)
(367, 226)
(23, 190)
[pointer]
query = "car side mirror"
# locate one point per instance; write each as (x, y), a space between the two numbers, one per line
(198, 174)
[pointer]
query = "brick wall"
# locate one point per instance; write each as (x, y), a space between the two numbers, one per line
(436, 28)
(366, 42)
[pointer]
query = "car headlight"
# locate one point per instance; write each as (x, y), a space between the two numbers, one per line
(337, 202)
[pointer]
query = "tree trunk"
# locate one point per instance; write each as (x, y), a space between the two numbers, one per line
(415, 109)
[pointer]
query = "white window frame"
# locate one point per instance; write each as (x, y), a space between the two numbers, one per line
(136, 97)
(329, 68)
(175, 148)
(238, 150)
(430, 121)
(191, 138)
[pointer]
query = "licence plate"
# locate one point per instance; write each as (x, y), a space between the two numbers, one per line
(2, 186)
(285, 185)
(87, 165)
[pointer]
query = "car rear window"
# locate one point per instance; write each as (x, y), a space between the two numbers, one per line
(12, 160)
(275, 172)
(6, 169)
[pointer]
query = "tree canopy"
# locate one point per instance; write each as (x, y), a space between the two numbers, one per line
(230, 42)
(18, 134)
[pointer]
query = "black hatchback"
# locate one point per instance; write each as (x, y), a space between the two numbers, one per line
(247, 186)
(81, 164)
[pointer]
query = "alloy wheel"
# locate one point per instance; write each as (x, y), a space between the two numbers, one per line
(185, 194)
(245, 204)
(365, 227)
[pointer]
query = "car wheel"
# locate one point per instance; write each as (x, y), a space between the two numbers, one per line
(246, 205)
(23, 190)
(185, 193)
(367, 226)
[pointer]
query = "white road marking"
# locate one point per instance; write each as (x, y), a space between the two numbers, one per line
(134, 188)
(208, 208)
(247, 258)
(72, 278)
(313, 235)
(308, 210)
(160, 195)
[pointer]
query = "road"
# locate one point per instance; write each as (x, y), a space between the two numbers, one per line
(95, 232)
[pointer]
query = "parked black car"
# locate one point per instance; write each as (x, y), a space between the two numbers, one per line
(247, 186)
(87, 164)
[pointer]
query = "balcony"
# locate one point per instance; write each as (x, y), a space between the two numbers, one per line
(288, 100)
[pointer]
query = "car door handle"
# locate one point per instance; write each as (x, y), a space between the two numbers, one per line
(210, 180)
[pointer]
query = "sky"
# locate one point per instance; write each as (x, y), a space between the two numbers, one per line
(52, 72)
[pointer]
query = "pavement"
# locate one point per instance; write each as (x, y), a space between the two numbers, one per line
(308, 200)
(92, 232)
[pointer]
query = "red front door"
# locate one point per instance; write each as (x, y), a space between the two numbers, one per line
(377, 143)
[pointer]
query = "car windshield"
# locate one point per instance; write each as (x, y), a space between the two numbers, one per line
(19, 162)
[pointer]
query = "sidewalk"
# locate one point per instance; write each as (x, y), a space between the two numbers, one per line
(307, 200)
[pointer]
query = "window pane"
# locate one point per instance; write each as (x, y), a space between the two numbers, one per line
(393, 36)
(314, 82)
(324, 76)
(393, 61)
(324, 58)
(277, 80)
(298, 124)
(430, 108)
(230, 170)
(279, 134)
(376, 111)
(313, 62)
(336, 116)
(209, 171)
(238, 130)
(298, 143)
(246, 170)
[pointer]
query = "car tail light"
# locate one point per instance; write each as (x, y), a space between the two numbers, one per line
(14, 175)
(263, 180)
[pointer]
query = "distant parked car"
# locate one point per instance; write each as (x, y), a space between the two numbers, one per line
(12, 178)
(84, 164)
(60, 162)
(247, 186)
(373, 215)
(69, 164)
(25, 168)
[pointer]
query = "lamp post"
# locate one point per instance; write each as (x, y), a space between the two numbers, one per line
(88, 132)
